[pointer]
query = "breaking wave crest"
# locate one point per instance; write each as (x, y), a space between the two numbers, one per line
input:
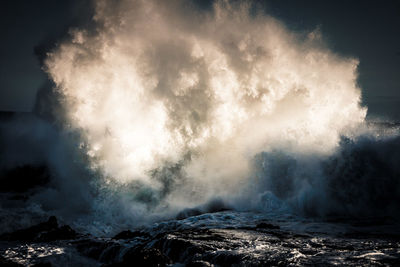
(163, 108)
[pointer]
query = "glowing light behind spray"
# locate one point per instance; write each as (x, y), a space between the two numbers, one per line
(156, 81)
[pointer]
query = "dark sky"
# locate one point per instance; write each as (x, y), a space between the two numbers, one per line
(367, 30)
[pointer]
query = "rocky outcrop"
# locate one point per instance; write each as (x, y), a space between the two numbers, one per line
(42, 232)
(263, 244)
(8, 263)
(129, 235)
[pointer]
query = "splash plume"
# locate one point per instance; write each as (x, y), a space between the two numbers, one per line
(157, 84)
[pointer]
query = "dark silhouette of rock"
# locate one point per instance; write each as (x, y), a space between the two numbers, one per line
(187, 245)
(111, 253)
(129, 235)
(91, 248)
(227, 258)
(145, 257)
(7, 263)
(42, 232)
(261, 245)
(31, 233)
(62, 233)
(107, 252)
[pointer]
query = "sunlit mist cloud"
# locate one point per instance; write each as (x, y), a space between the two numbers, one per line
(158, 81)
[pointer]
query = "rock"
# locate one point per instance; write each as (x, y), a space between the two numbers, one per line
(91, 248)
(130, 235)
(145, 257)
(42, 232)
(107, 252)
(186, 245)
(7, 263)
(111, 253)
(226, 258)
(62, 233)
(31, 233)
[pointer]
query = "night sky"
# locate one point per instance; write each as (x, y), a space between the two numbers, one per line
(367, 30)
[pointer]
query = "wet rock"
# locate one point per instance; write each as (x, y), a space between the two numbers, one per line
(7, 263)
(91, 248)
(130, 235)
(145, 257)
(31, 233)
(62, 233)
(261, 245)
(42, 232)
(226, 258)
(111, 253)
(183, 246)
(107, 252)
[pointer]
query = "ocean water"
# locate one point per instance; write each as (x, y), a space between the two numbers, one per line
(222, 131)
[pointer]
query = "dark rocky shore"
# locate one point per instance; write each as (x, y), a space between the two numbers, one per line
(265, 244)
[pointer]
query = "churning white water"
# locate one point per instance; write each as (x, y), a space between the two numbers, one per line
(173, 108)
